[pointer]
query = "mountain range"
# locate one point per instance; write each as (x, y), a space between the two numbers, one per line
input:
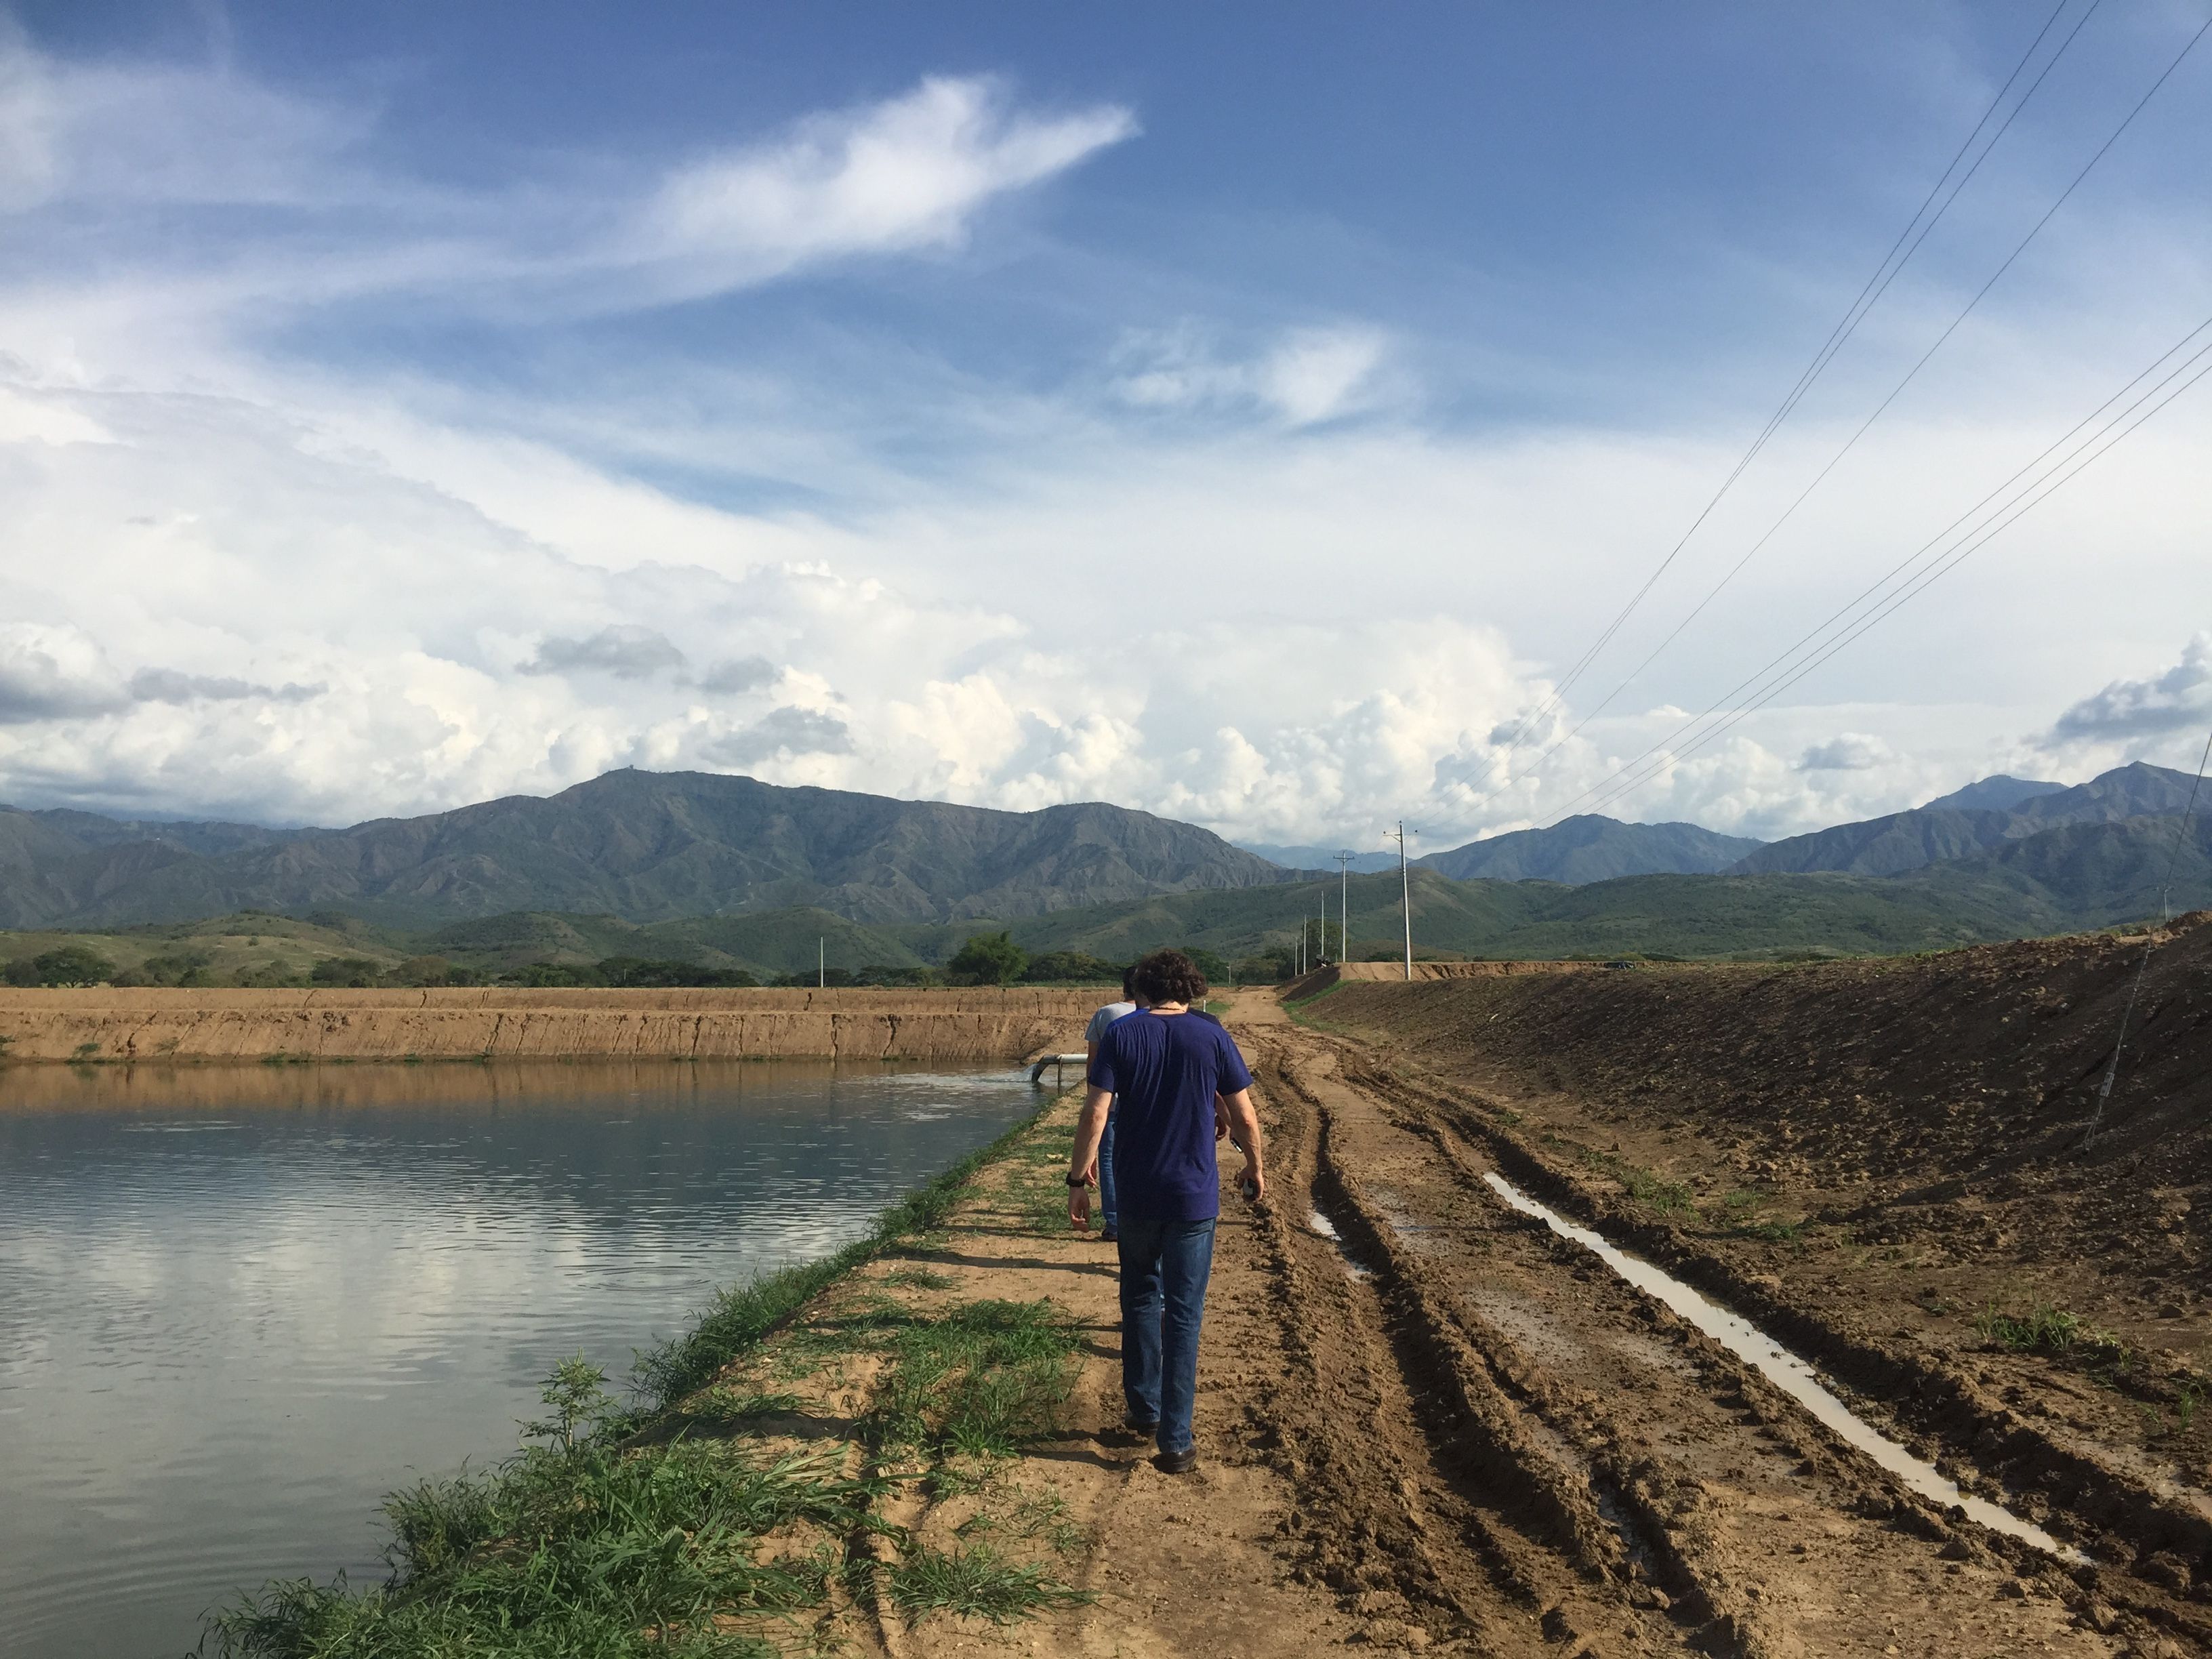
(725, 869)
(643, 846)
(1950, 828)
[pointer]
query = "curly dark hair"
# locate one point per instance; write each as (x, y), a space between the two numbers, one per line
(1170, 976)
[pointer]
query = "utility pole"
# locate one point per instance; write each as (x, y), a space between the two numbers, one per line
(1344, 856)
(1405, 894)
(821, 962)
(1324, 924)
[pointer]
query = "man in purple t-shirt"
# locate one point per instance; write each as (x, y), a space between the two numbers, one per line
(1160, 1070)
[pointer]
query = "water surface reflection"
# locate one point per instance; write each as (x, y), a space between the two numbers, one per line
(238, 1304)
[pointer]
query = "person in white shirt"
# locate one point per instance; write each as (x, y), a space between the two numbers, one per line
(1107, 1232)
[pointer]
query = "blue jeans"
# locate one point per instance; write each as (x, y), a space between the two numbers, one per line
(1164, 1268)
(1106, 1212)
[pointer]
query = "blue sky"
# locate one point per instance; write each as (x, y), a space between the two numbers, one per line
(1247, 413)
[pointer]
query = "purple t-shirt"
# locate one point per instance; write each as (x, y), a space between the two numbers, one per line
(1164, 1070)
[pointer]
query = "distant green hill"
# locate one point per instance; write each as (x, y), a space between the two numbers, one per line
(1589, 846)
(647, 845)
(1969, 822)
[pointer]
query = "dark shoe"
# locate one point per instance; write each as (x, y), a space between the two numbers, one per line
(1107, 1236)
(1181, 1462)
(1144, 1425)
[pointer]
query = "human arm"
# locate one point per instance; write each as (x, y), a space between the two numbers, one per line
(1244, 1135)
(1083, 1161)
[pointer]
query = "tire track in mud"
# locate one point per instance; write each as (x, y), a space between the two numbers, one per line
(1992, 1452)
(1421, 1488)
(1661, 1491)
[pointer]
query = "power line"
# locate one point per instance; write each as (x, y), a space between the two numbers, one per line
(1896, 391)
(2150, 943)
(1854, 314)
(1956, 554)
(1799, 662)
(1727, 698)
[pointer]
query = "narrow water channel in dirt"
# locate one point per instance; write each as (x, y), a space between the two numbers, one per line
(238, 1305)
(1786, 1370)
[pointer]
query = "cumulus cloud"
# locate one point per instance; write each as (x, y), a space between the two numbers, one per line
(1850, 752)
(628, 651)
(1291, 638)
(2130, 711)
(53, 673)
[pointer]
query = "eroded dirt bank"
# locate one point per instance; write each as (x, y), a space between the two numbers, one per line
(494, 1023)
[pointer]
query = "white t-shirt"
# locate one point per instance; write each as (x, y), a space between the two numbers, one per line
(1105, 1016)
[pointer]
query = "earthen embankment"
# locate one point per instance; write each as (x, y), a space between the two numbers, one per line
(99, 1025)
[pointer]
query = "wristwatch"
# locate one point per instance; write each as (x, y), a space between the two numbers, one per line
(1078, 1181)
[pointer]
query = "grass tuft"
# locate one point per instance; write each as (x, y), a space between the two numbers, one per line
(978, 1581)
(2047, 1329)
(984, 1380)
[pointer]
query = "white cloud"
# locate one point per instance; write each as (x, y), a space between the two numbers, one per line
(123, 147)
(2131, 711)
(53, 673)
(159, 134)
(1306, 376)
(905, 175)
(343, 597)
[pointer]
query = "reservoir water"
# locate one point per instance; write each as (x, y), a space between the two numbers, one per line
(239, 1305)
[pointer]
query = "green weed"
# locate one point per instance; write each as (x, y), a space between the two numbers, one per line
(1037, 1514)
(978, 1581)
(570, 1552)
(2047, 1329)
(1652, 1191)
(984, 1379)
(1741, 1217)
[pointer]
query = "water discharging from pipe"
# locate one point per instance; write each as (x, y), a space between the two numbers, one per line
(1787, 1372)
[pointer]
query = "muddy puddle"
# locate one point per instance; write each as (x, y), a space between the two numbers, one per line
(1318, 1223)
(1787, 1372)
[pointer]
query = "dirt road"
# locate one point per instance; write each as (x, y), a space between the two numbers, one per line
(1428, 1423)
(1570, 1447)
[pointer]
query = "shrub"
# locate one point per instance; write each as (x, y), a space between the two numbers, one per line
(990, 959)
(67, 965)
(635, 973)
(1207, 963)
(356, 971)
(1266, 968)
(1079, 966)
